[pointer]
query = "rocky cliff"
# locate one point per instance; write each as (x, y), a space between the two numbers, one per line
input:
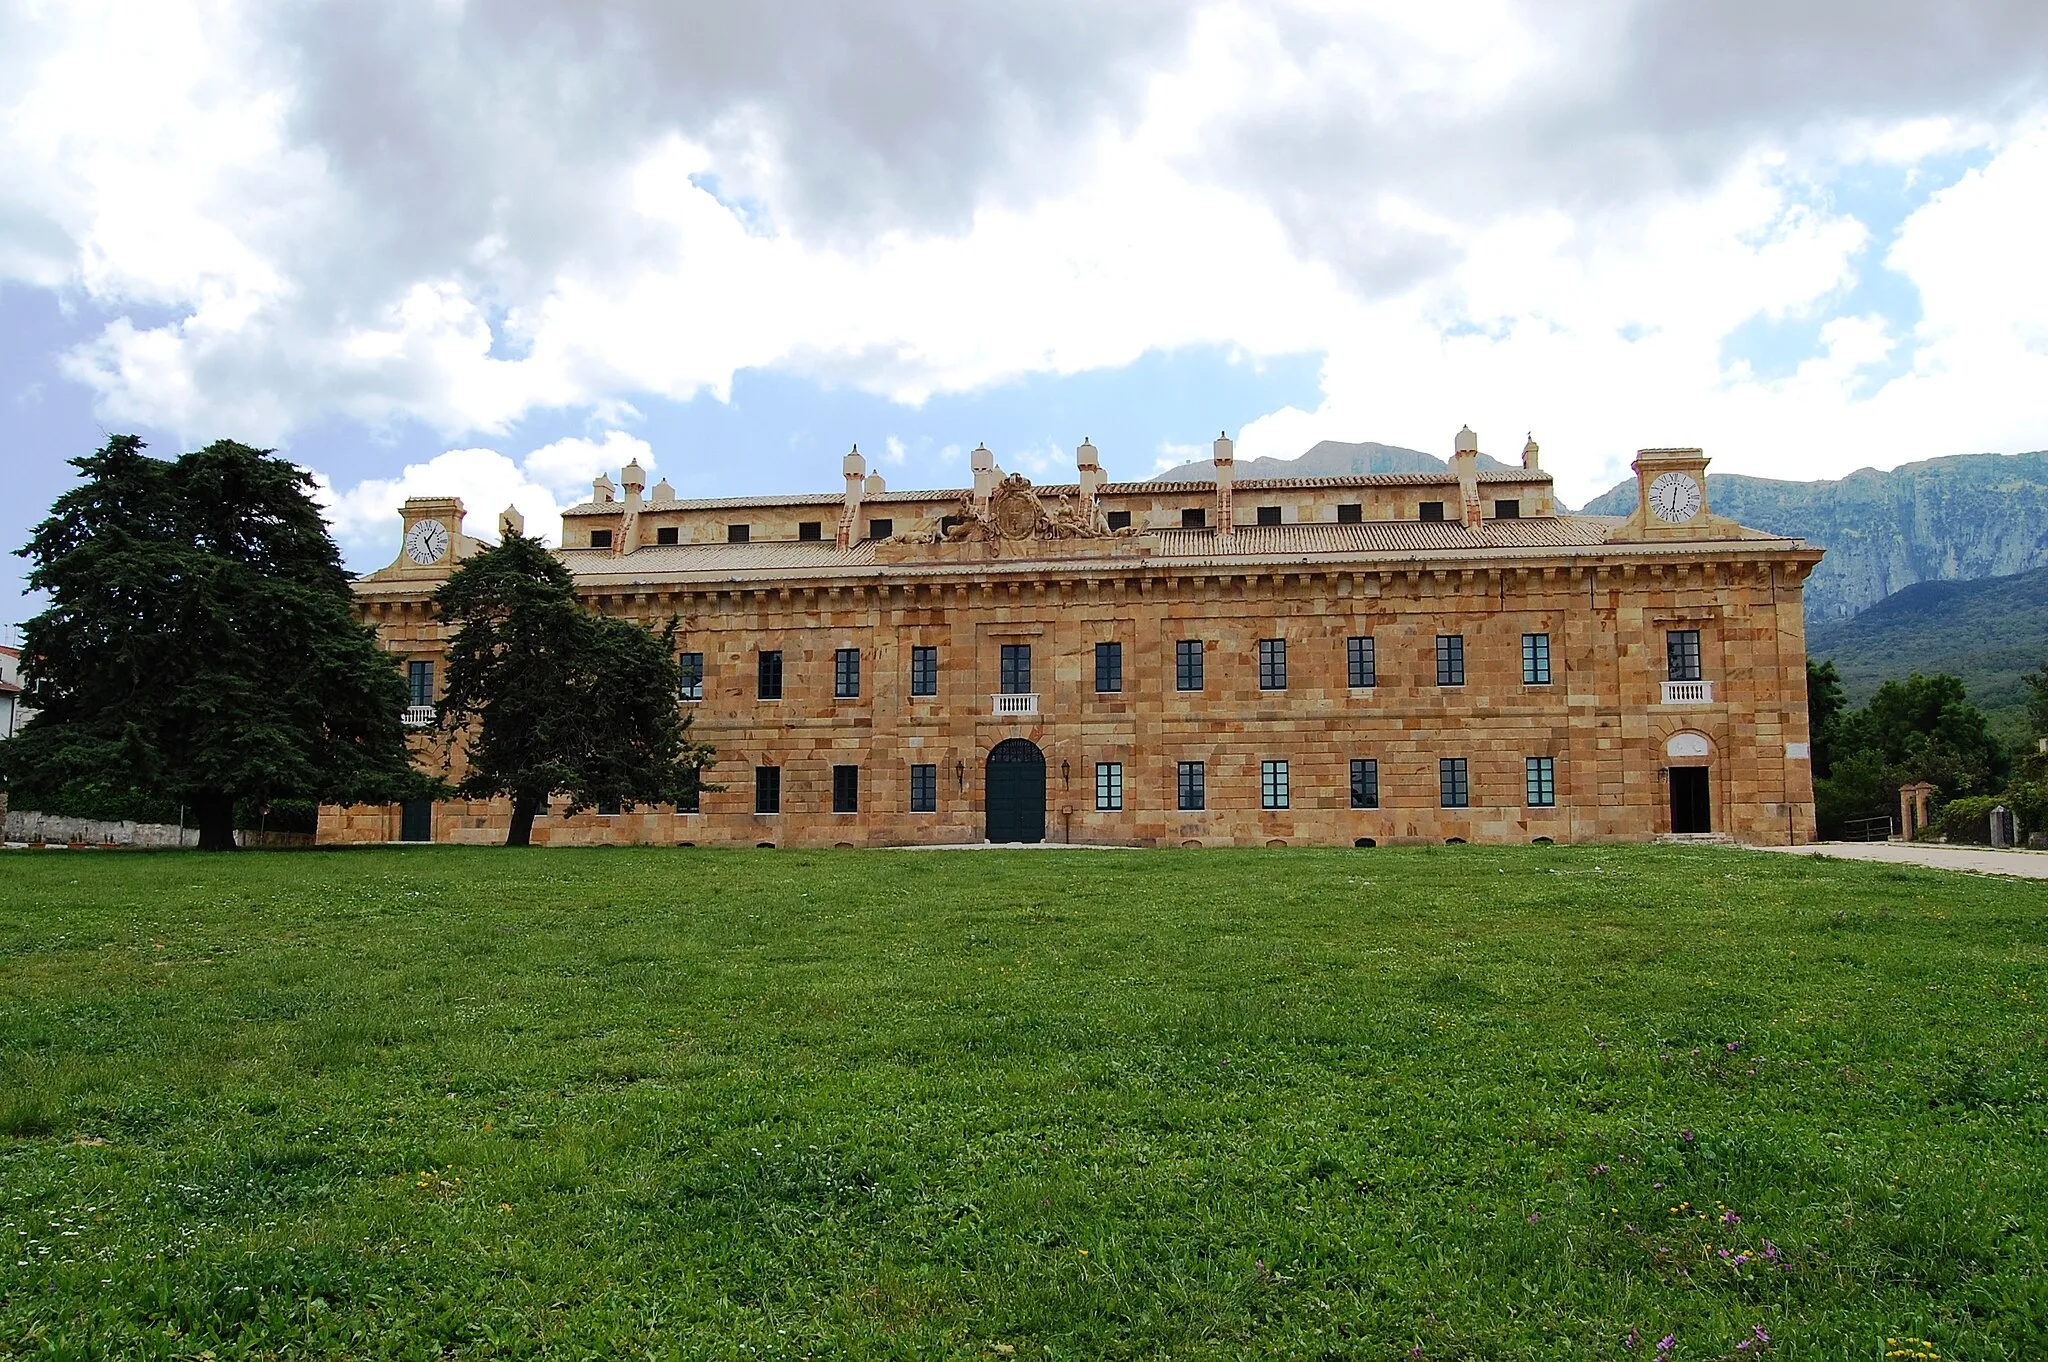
(1960, 518)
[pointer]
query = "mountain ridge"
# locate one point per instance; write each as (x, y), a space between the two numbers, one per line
(1329, 459)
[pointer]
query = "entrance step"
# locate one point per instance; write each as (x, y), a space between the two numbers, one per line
(1696, 839)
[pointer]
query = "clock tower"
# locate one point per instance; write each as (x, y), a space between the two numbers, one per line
(431, 540)
(1671, 498)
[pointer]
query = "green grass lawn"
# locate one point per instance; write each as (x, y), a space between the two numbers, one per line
(1451, 1102)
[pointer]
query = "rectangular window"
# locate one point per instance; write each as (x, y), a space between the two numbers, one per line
(1361, 663)
(600, 539)
(1016, 669)
(1109, 668)
(1193, 518)
(1350, 513)
(881, 527)
(419, 683)
(1272, 664)
(768, 675)
(1269, 515)
(846, 673)
(690, 800)
(1452, 785)
(1365, 783)
(1450, 659)
(846, 789)
(690, 667)
(1272, 784)
(1542, 776)
(1431, 510)
(1193, 788)
(946, 524)
(924, 671)
(1535, 659)
(1682, 654)
(1187, 664)
(924, 789)
(738, 534)
(1109, 786)
(607, 808)
(807, 530)
(1119, 520)
(668, 534)
(767, 789)
(1507, 509)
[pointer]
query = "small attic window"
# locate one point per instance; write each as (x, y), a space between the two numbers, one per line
(1350, 513)
(808, 530)
(600, 539)
(1119, 520)
(1508, 508)
(1431, 510)
(881, 527)
(667, 534)
(947, 522)
(738, 534)
(1269, 515)
(1193, 518)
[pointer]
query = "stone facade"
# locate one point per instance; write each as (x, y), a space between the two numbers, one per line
(1671, 645)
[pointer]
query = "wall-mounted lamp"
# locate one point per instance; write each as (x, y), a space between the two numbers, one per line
(1065, 784)
(960, 773)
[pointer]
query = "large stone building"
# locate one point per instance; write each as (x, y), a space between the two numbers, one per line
(1334, 661)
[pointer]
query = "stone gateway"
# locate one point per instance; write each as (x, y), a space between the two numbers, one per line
(1338, 661)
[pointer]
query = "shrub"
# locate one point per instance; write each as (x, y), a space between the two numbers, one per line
(1965, 820)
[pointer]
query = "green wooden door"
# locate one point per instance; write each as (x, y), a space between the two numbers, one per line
(1016, 792)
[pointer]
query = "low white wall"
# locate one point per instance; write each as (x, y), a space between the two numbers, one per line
(26, 825)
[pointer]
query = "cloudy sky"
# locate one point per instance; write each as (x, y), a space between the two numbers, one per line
(492, 248)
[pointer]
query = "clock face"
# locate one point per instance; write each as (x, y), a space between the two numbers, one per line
(1675, 498)
(426, 542)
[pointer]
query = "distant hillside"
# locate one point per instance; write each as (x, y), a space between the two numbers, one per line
(1987, 632)
(1961, 518)
(1330, 459)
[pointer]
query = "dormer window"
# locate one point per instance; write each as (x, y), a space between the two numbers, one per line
(1269, 515)
(738, 534)
(1507, 509)
(1351, 513)
(1194, 518)
(667, 534)
(808, 530)
(1431, 510)
(1119, 520)
(600, 539)
(881, 527)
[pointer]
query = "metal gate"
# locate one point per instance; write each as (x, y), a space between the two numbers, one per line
(1016, 792)
(1691, 808)
(416, 821)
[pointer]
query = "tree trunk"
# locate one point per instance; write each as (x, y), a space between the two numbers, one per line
(216, 822)
(524, 807)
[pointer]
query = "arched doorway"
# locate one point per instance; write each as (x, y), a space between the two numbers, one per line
(1016, 792)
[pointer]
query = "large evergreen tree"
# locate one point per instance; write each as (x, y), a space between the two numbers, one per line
(550, 697)
(200, 643)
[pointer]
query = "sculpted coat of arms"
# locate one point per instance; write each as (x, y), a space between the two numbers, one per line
(1016, 513)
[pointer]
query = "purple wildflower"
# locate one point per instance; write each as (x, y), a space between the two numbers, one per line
(1667, 1343)
(1686, 1135)
(1770, 1251)
(1730, 1218)
(1635, 1336)
(1733, 1046)
(1534, 1217)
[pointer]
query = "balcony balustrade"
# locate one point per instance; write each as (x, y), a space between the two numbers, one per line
(1015, 706)
(418, 716)
(1688, 692)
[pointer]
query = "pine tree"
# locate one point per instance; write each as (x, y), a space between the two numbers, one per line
(550, 697)
(200, 643)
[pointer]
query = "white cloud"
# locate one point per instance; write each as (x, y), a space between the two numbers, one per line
(1509, 215)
